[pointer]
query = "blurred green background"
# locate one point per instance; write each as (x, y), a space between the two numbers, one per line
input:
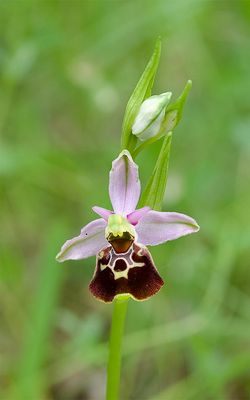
(67, 71)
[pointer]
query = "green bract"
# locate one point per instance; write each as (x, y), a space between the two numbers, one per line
(174, 111)
(140, 93)
(154, 191)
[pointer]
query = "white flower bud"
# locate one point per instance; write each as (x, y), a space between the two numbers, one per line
(150, 116)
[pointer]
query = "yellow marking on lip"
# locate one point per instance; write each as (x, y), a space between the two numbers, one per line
(103, 266)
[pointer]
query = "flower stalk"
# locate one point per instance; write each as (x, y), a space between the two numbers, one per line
(115, 347)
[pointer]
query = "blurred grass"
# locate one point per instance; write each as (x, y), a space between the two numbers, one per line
(67, 71)
(30, 373)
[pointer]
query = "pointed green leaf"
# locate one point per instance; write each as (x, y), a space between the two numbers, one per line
(156, 186)
(174, 111)
(140, 93)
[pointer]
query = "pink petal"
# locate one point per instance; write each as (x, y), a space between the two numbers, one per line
(90, 241)
(136, 215)
(124, 184)
(158, 227)
(103, 212)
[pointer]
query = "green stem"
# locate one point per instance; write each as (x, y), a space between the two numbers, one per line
(115, 346)
(142, 146)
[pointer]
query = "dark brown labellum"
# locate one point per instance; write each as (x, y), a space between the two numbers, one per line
(125, 272)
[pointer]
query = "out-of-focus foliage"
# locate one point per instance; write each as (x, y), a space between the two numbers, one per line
(67, 71)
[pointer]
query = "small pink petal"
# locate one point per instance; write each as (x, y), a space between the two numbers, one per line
(103, 212)
(90, 241)
(136, 215)
(124, 184)
(158, 227)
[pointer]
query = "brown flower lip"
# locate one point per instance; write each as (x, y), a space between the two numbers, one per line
(132, 273)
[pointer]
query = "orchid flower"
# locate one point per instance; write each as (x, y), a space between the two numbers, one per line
(119, 238)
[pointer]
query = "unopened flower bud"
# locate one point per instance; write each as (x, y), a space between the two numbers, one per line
(151, 114)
